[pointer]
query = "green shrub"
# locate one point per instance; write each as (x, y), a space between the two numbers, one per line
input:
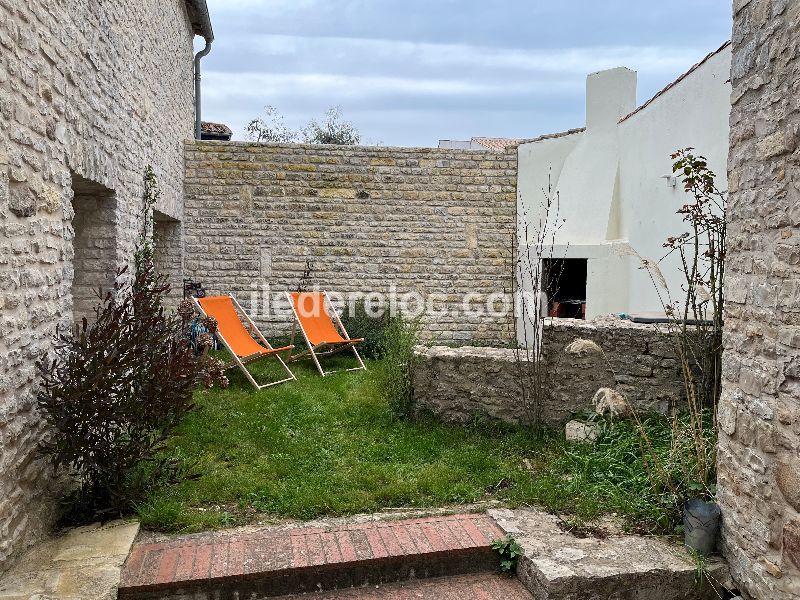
(113, 390)
(361, 324)
(400, 337)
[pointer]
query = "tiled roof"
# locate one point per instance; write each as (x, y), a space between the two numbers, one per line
(218, 128)
(677, 81)
(498, 144)
(502, 144)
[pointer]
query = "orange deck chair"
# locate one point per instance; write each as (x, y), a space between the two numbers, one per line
(237, 339)
(322, 329)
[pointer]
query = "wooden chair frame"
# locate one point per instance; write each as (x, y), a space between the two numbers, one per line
(335, 347)
(245, 360)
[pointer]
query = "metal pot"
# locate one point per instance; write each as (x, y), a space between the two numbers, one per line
(701, 522)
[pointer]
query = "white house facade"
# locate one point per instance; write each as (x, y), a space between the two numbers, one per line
(617, 200)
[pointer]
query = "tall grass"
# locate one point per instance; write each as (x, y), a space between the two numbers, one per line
(399, 339)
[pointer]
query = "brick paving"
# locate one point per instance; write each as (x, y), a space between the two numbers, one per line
(304, 559)
(477, 586)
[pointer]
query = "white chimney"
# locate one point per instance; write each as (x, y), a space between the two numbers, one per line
(610, 95)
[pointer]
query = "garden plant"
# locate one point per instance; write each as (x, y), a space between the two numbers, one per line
(115, 388)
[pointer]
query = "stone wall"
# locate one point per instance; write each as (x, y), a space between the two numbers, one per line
(94, 245)
(168, 257)
(90, 92)
(759, 413)
(421, 219)
(579, 358)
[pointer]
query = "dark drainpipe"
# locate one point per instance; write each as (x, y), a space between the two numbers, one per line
(197, 114)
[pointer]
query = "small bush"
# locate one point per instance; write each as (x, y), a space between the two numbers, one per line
(361, 324)
(113, 393)
(113, 390)
(400, 337)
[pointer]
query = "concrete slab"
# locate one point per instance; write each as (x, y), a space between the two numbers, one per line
(83, 563)
(560, 566)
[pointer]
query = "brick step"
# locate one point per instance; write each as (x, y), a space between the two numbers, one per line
(279, 562)
(480, 586)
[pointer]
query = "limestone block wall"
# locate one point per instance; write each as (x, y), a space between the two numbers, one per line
(638, 360)
(89, 91)
(168, 259)
(759, 413)
(367, 218)
(579, 357)
(94, 245)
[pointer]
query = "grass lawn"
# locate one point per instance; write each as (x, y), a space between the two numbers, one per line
(331, 447)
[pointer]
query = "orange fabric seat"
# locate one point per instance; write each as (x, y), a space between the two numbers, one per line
(232, 329)
(317, 323)
(322, 329)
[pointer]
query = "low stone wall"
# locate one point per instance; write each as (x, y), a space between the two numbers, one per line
(457, 384)
(637, 360)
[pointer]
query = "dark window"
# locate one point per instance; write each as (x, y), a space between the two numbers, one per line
(565, 285)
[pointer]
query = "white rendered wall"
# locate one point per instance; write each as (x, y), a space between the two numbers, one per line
(695, 113)
(612, 196)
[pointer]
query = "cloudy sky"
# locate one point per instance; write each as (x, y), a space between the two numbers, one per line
(409, 72)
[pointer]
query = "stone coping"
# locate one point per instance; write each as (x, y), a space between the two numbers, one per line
(558, 564)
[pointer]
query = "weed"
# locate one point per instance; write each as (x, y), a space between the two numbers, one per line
(509, 550)
(400, 338)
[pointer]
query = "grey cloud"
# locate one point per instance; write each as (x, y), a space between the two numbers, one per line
(409, 72)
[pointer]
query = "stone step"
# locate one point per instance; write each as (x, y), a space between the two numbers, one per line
(558, 565)
(277, 562)
(478, 586)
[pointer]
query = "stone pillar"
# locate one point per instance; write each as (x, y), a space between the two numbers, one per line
(759, 464)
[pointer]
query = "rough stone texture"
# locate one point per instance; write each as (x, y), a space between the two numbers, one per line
(94, 90)
(421, 219)
(168, 257)
(94, 246)
(583, 432)
(637, 360)
(580, 357)
(78, 564)
(560, 566)
(787, 476)
(791, 542)
(458, 384)
(760, 405)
